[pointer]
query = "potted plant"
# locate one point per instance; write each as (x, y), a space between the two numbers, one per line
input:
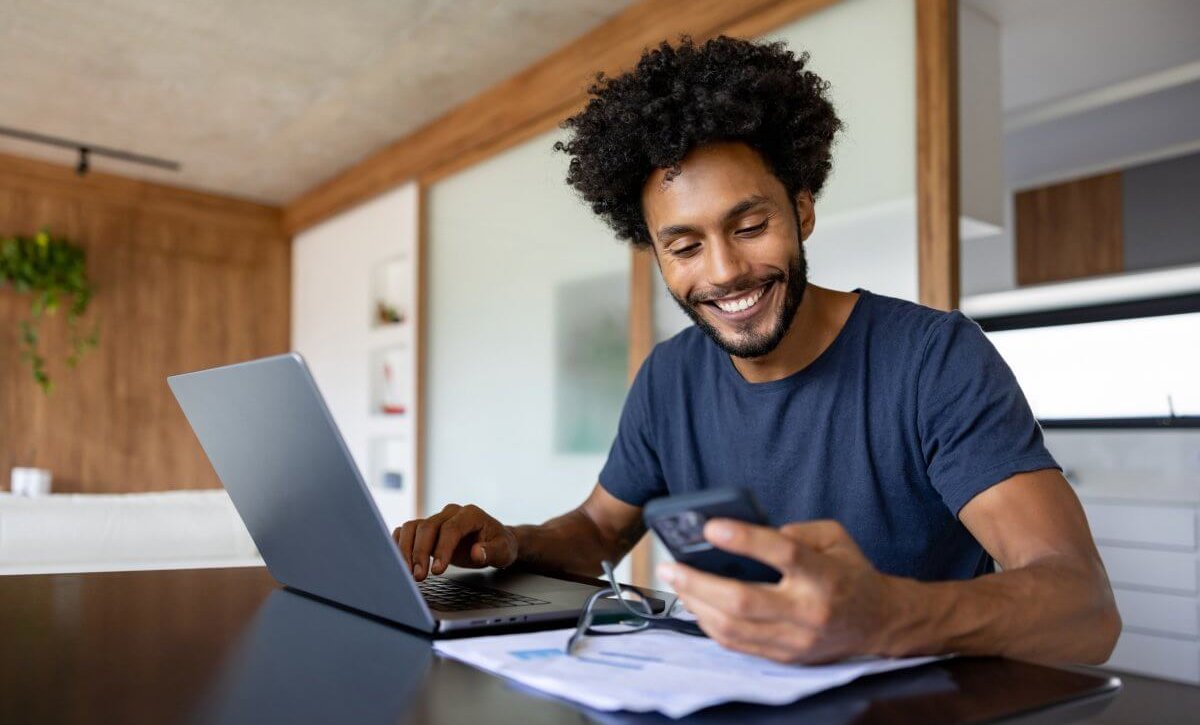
(53, 271)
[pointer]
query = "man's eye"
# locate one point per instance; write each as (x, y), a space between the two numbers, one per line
(687, 251)
(751, 231)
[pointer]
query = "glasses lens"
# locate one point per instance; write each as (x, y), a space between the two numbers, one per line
(635, 599)
(624, 627)
(617, 615)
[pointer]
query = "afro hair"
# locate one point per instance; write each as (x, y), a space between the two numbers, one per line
(684, 96)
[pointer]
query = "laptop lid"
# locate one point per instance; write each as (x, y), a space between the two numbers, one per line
(268, 434)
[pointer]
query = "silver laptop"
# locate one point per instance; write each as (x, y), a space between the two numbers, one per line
(270, 437)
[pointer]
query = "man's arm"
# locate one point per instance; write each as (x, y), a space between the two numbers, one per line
(1051, 603)
(602, 527)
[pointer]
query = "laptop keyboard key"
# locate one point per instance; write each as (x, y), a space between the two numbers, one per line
(448, 595)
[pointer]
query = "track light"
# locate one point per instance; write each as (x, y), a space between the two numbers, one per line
(87, 150)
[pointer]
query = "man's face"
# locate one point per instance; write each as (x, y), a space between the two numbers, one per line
(728, 244)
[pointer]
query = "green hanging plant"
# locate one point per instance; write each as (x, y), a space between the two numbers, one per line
(52, 270)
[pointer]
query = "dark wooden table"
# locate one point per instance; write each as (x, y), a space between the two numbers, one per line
(228, 645)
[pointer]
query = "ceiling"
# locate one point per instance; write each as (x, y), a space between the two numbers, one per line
(1094, 85)
(1054, 49)
(260, 99)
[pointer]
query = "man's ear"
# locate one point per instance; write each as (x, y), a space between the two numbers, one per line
(806, 210)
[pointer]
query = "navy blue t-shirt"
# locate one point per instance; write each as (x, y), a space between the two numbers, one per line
(907, 415)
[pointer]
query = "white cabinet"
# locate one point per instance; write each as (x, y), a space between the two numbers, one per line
(1170, 658)
(1150, 569)
(1134, 523)
(1150, 552)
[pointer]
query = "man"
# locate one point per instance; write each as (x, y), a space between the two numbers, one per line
(888, 442)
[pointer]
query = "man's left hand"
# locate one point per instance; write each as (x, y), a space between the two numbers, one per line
(830, 604)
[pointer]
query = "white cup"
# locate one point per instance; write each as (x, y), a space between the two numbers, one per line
(30, 481)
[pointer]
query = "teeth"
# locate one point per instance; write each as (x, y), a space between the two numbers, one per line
(743, 303)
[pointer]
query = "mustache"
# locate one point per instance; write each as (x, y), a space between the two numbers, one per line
(733, 288)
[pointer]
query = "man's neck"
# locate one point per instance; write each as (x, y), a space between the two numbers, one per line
(821, 316)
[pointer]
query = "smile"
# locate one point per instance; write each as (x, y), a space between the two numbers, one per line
(741, 302)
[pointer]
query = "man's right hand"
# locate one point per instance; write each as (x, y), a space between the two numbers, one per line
(459, 535)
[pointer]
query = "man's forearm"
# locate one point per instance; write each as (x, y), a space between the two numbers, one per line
(1049, 611)
(572, 543)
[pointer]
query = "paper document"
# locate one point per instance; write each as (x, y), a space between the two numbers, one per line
(653, 670)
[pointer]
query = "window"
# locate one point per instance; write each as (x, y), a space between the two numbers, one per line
(1129, 364)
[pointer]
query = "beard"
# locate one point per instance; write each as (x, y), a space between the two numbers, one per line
(749, 343)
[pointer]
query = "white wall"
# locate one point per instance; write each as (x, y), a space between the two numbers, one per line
(988, 263)
(1059, 49)
(980, 118)
(333, 265)
(866, 50)
(503, 235)
(1089, 86)
(865, 234)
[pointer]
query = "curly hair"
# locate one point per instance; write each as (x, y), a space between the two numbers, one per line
(684, 96)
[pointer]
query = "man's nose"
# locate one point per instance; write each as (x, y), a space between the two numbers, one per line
(725, 263)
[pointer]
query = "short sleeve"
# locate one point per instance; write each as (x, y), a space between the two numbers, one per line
(975, 426)
(632, 472)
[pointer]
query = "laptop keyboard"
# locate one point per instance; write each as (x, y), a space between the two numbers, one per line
(448, 595)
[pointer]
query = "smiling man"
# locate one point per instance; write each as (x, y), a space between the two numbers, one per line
(891, 446)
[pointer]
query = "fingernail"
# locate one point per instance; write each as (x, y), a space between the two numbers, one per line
(417, 570)
(437, 565)
(717, 531)
(482, 555)
(666, 572)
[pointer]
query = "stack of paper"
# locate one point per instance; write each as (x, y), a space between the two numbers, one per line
(654, 670)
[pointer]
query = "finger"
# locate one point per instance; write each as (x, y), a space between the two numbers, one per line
(454, 531)
(759, 542)
(817, 535)
(741, 600)
(404, 539)
(423, 541)
(755, 638)
(783, 641)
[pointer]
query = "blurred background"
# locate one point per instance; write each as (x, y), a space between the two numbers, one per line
(372, 184)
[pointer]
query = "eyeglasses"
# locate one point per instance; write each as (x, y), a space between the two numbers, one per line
(638, 616)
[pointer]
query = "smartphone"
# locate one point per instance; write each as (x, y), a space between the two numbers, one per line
(679, 520)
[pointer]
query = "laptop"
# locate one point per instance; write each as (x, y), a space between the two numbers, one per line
(268, 434)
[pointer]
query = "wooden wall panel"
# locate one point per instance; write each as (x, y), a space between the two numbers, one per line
(183, 280)
(1069, 230)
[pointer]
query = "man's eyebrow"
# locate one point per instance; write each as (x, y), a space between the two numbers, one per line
(736, 210)
(745, 205)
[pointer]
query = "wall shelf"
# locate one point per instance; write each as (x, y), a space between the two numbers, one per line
(1106, 289)
(344, 271)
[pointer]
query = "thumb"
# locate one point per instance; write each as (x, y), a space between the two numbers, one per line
(479, 554)
(494, 548)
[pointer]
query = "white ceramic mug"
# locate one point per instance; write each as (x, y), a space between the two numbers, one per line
(30, 481)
